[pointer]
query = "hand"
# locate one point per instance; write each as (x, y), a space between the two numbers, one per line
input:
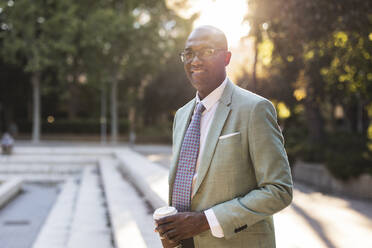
(182, 225)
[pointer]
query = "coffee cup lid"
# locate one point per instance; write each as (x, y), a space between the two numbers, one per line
(164, 211)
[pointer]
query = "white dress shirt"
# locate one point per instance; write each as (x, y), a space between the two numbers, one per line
(210, 103)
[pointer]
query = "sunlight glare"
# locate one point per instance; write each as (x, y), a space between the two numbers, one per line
(225, 15)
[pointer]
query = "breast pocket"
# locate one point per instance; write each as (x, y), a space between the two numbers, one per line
(228, 154)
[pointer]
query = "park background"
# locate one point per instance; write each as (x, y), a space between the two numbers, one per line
(81, 70)
(108, 72)
(89, 89)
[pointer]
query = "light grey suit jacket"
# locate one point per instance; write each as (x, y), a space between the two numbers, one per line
(245, 178)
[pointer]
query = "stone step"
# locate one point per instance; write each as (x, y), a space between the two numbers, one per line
(55, 231)
(150, 178)
(72, 150)
(132, 224)
(38, 177)
(9, 189)
(41, 168)
(89, 225)
(49, 159)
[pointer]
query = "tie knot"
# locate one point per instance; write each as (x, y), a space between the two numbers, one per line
(200, 108)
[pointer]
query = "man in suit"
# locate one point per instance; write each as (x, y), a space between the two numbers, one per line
(228, 140)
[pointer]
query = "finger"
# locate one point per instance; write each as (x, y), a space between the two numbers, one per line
(159, 230)
(177, 239)
(176, 235)
(170, 234)
(165, 220)
(165, 228)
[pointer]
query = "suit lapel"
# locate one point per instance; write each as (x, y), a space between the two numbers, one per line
(183, 120)
(218, 122)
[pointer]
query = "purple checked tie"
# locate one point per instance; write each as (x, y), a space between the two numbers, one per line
(181, 195)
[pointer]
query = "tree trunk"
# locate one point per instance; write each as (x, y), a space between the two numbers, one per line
(1, 118)
(315, 123)
(314, 118)
(114, 111)
(254, 70)
(73, 103)
(360, 109)
(132, 125)
(36, 107)
(103, 119)
(365, 120)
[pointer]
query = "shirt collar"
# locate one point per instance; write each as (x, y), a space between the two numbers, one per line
(213, 97)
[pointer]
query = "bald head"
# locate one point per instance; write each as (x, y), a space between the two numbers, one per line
(211, 33)
(206, 48)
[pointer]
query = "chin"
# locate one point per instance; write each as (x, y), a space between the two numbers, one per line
(197, 84)
(200, 87)
(199, 80)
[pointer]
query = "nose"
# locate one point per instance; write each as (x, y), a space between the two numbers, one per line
(195, 60)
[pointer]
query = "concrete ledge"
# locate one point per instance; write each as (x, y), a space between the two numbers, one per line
(42, 172)
(60, 150)
(53, 178)
(49, 159)
(131, 223)
(9, 189)
(150, 178)
(42, 168)
(89, 225)
(55, 231)
(317, 175)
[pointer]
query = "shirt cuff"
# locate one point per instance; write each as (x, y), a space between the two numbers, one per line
(214, 225)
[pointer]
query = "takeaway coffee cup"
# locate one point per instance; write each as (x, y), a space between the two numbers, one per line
(163, 212)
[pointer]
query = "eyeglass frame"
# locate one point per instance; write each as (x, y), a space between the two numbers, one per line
(197, 53)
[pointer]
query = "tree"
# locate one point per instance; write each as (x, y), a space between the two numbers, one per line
(114, 49)
(305, 38)
(321, 53)
(29, 39)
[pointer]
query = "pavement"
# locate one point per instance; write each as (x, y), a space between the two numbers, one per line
(160, 154)
(313, 220)
(24, 216)
(61, 162)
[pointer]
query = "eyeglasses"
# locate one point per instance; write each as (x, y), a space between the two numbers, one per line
(204, 53)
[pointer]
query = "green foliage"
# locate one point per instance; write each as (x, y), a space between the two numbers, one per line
(321, 48)
(36, 32)
(297, 145)
(347, 155)
(80, 48)
(293, 145)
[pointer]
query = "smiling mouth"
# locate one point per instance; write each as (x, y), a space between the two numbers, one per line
(197, 70)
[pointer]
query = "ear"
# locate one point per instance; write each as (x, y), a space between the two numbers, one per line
(227, 58)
